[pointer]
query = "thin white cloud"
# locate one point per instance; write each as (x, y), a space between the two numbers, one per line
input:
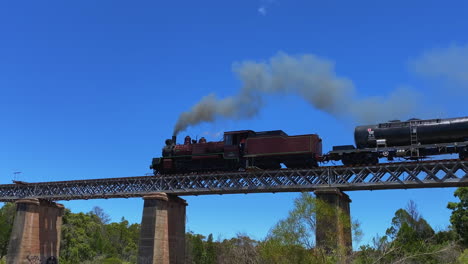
(447, 64)
(265, 6)
(262, 10)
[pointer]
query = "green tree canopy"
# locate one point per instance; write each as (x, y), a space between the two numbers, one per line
(87, 237)
(300, 225)
(7, 216)
(409, 228)
(459, 217)
(293, 238)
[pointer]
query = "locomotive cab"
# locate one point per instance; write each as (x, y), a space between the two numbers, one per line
(234, 143)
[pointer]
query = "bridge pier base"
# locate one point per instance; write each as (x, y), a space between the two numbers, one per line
(35, 237)
(333, 223)
(162, 237)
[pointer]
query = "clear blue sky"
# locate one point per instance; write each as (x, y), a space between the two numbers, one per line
(91, 89)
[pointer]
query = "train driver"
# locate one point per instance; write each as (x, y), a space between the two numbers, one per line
(242, 145)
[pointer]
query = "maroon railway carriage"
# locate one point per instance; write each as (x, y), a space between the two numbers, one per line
(240, 150)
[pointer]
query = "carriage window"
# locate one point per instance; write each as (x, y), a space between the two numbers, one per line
(228, 139)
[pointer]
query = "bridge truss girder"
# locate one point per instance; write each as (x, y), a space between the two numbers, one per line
(404, 175)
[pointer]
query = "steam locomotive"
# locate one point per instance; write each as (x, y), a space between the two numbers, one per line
(414, 139)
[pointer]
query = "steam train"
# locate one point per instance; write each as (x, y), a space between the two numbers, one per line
(414, 139)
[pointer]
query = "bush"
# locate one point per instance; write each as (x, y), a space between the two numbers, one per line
(463, 257)
(112, 261)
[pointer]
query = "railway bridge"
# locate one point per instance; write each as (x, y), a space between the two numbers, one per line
(36, 231)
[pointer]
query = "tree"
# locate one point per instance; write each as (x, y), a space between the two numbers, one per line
(300, 225)
(293, 239)
(409, 230)
(410, 239)
(274, 251)
(7, 216)
(238, 250)
(459, 217)
(78, 243)
(210, 250)
(122, 240)
(197, 253)
(99, 212)
(85, 239)
(408, 225)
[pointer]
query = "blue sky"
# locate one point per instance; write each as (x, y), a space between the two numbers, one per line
(91, 89)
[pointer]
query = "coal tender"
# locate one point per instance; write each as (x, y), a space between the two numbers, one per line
(414, 139)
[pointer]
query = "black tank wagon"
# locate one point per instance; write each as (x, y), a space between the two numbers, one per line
(413, 139)
(397, 133)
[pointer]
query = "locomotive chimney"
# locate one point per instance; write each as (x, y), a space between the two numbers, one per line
(174, 138)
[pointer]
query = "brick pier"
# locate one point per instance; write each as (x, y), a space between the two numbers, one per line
(333, 226)
(162, 237)
(35, 237)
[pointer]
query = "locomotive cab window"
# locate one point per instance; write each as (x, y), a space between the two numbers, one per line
(228, 139)
(231, 139)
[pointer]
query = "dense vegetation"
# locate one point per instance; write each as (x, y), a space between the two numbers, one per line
(92, 238)
(409, 239)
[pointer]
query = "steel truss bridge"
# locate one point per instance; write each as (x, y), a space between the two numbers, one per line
(442, 173)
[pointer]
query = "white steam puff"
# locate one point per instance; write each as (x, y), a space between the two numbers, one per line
(308, 76)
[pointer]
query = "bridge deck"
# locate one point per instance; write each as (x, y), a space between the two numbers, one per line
(442, 173)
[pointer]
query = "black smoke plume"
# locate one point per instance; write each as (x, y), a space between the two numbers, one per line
(307, 76)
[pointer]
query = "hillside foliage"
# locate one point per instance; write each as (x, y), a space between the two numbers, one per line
(92, 238)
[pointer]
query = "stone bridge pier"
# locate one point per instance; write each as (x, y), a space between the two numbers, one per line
(36, 233)
(162, 237)
(333, 223)
(35, 237)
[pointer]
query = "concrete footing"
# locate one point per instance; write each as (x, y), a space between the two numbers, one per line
(333, 226)
(35, 237)
(162, 237)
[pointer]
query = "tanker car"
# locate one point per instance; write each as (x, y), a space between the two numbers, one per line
(413, 139)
